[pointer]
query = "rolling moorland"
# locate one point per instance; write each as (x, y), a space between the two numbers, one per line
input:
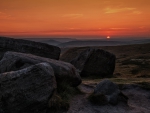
(132, 71)
(133, 56)
(131, 74)
(132, 60)
(132, 67)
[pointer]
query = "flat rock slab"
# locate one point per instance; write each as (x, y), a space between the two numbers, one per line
(95, 62)
(64, 72)
(25, 46)
(27, 90)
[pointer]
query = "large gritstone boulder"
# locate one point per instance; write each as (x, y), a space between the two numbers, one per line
(25, 46)
(111, 92)
(95, 62)
(63, 71)
(27, 90)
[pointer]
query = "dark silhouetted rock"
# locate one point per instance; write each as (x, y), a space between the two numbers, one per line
(111, 91)
(64, 72)
(25, 46)
(27, 90)
(95, 62)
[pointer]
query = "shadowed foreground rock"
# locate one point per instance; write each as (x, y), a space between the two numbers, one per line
(27, 90)
(95, 62)
(64, 72)
(111, 91)
(25, 46)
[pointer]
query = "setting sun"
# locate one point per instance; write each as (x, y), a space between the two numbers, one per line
(108, 37)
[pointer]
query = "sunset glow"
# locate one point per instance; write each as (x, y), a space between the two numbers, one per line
(108, 37)
(75, 18)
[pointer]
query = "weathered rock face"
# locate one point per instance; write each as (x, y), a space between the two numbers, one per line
(64, 72)
(95, 62)
(24, 46)
(110, 90)
(27, 90)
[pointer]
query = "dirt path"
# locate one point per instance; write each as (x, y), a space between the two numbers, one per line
(139, 102)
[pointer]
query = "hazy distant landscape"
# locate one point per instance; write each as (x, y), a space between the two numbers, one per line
(70, 42)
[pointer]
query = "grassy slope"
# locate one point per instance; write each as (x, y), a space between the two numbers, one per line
(127, 71)
(124, 66)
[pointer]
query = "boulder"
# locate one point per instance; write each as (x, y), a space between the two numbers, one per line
(25, 46)
(27, 90)
(95, 62)
(111, 92)
(64, 72)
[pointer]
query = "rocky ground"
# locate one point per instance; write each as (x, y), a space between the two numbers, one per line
(132, 67)
(32, 82)
(138, 102)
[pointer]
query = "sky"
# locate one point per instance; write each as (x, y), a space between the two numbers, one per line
(73, 18)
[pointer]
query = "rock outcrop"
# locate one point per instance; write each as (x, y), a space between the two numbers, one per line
(64, 72)
(95, 62)
(25, 46)
(27, 90)
(111, 91)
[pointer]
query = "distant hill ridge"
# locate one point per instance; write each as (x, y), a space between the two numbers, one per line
(51, 42)
(90, 43)
(72, 42)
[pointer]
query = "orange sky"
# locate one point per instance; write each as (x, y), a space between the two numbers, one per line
(75, 17)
